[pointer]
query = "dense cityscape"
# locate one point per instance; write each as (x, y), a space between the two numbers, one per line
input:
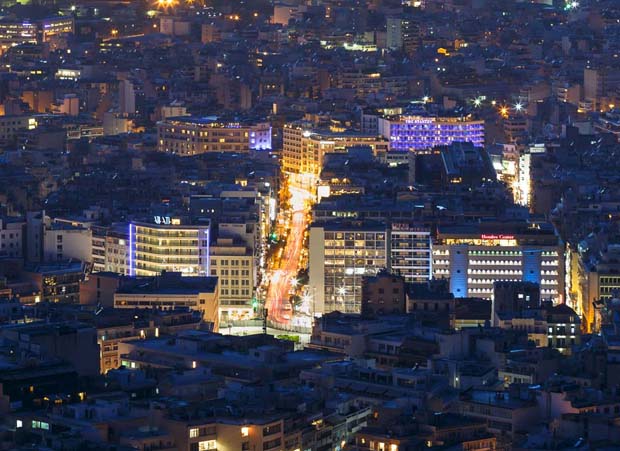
(309, 225)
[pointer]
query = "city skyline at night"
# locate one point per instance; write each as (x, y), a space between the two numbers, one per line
(309, 225)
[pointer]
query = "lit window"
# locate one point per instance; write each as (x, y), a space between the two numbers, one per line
(40, 425)
(206, 445)
(245, 431)
(193, 432)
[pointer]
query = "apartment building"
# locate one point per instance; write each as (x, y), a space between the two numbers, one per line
(117, 250)
(11, 126)
(12, 237)
(172, 291)
(342, 252)
(410, 252)
(232, 262)
(186, 136)
(304, 148)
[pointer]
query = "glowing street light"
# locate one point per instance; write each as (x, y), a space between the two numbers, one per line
(518, 107)
(294, 282)
(477, 102)
(166, 3)
(571, 5)
(342, 291)
(503, 111)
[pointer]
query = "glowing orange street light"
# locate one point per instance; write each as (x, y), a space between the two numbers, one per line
(166, 3)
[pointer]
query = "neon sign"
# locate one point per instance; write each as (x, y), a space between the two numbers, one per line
(497, 237)
(162, 220)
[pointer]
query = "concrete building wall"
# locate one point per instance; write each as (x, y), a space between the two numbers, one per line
(64, 244)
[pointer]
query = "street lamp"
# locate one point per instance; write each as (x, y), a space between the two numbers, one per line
(166, 3)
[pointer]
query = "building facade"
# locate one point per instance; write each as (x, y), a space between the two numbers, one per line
(13, 33)
(10, 126)
(233, 264)
(341, 255)
(117, 251)
(167, 245)
(410, 252)
(343, 252)
(304, 148)
(475, 257)
(12, 231)
(172, 291)
(188, 136)
(413, 133)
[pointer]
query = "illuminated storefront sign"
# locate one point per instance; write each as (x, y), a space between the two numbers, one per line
(166, 220)
(497, 237)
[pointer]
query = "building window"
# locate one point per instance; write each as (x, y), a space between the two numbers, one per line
(194, 432)
(269, 430)
(40, 425)
(206, 445)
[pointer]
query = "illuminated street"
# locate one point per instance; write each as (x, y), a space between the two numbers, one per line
(282, 279)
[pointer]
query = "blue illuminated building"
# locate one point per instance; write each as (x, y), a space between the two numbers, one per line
(474, 257)
(407, 133)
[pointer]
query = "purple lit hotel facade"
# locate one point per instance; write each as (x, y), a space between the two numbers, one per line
(407, 133)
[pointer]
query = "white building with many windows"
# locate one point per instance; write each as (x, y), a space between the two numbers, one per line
(474, 257)
(168, 245)
(410, 252)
